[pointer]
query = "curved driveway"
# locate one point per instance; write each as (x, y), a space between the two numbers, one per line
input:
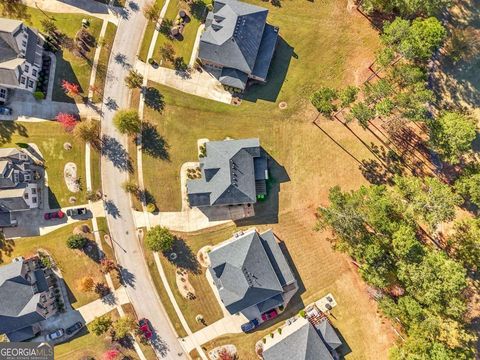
(115, 167)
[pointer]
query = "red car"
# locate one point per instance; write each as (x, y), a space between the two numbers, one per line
(54, 215)
(145, 328)
(269, 315)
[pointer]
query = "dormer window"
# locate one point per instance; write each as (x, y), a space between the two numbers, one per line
(24, 43)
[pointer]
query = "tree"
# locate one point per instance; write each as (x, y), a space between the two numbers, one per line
(86, 284)
(123, 326)
(406, 246)
(464, 243)
(68, 121)
(15, 9)
(89, 132)
(413, 100)
(225, 354)
(377, 91)
(407, 8)
(48, 26)
(152, 12)
(167, 52)
(417, 40)
(70, 89)
(111, 354)
(76, 241)
(468, 186)
(385, 56)
(100, 325)
(429, 200)
(348, 95)
(101, 289)
(131, 187)
(159, 238)
(323, 99)
(384, 107)
(362, 113)
(127, 122)
(407, 74)
(452, 136)
(107, 265)
(134, 79)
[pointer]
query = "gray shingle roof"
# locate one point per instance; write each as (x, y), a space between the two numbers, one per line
(328, 334)
(302, 344)
(233, 34)
(18, 301)
(228, 174)
(265, 52)
(245, 274)
(232, 77)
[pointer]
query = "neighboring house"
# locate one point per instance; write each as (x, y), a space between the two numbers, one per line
(251, 274)
(25, 299)
(18, 188)
(237, 44)
(21, 50)
(234, 172)
(300, 340)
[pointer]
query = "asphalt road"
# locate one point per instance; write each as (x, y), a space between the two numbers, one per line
(115, 167)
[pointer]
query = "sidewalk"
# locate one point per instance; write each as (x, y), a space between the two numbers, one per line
(197, 83)
(102, 306)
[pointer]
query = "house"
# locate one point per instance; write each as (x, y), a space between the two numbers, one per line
(25, 299)
(251, 274)
(237, 44)
(18, 188)
(234, 172)
(300, 340)
(21, 50)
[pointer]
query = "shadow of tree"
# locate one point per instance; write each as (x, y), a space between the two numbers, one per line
(8, 128)
(6, 248)
(127, 278)
(184, 258)
(165, 27)
(112, 209)
(154, 99)
(116, 153)
(154, 144)
(198, 9)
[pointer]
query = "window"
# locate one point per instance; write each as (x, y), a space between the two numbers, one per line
(34, 200)
(30, 83)
(22, 80)
(25, 196)
(34, 191)
(24, 43)
(27, 68)
(34, 72)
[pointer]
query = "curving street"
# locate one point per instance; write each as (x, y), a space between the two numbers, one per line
(115, 169)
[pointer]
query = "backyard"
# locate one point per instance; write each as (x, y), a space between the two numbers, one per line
(14, 134)
(73, 264)
(302, 167)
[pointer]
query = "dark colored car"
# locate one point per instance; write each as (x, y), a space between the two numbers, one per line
(269, 315)
(74, 328)
(5, 110)
(54, 215)
(252, 324)
(77, 212)
(144, 326)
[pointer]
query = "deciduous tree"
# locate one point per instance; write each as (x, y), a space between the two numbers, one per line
(86, 284)
(323, 99)
(76, 241)
(134, 79)
(127, 122)
(123, 326)
(159, 239)
(464, 243)
(71, 89)
(68, 121)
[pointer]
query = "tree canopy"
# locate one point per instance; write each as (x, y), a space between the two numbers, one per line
(159, 238)
(407, 8)
(127, 121)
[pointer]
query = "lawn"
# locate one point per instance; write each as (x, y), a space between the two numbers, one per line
(186, 247)
(330, 47)
(184, 46)
(103, 61)
(73, 264)
(86, 345)
(107, 249)
(41, 134)
(95, 170)
(147, 35)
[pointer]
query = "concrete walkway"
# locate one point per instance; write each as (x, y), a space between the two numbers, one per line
(196, 83)
(87, 7)
(102, 306)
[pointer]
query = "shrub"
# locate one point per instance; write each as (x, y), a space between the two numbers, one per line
(302, 313)
(151, 207)
(38, 95)
(151, 61)
(100, 325)
(76, 241)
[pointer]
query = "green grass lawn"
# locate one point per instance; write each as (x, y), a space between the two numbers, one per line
(50, 137)
(103, 61)
(73, 264)
(95, 170)
(147, 35)
(69, 66)
(205, 303)
(107, 249)
(183, 48)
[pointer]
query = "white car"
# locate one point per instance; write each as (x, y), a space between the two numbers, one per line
(55, 335)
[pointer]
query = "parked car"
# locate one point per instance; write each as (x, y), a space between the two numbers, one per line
(4, 110)
(269, 315)
(144, 326)
(74, 328)
(55, 335)
(77, 212)
(54, 215)
(252, 324)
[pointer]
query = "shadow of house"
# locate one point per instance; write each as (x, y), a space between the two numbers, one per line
(266, 210)
(276, 75)
(64, 71)
(89, 6)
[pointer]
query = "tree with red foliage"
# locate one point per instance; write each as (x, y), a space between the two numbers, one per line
(111, 354)
(68, 121)
(70, 89)
(225, 354)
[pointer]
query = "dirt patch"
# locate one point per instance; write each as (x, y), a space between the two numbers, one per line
(184, 287)
(81, 230)
(202, 256)
(71, 178)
